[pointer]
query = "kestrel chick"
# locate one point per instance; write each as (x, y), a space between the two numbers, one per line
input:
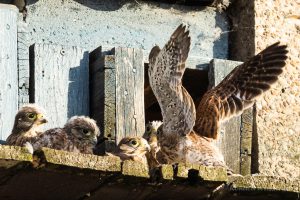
(132, 148)
(150, 133)
(28, 125)
(186, 134)
(78, 135)
(151, 136)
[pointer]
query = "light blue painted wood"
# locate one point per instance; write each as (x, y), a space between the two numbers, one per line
(8, 69)
(60, 81)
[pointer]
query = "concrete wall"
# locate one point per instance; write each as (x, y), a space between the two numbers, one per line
(89, 24)
(278, 112)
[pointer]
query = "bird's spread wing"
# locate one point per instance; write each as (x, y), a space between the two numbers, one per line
(166, 67)
(239, 89)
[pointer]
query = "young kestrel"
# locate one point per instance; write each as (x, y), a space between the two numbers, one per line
(28, 125)
(132, 148)
(79, 135)
(185, 136)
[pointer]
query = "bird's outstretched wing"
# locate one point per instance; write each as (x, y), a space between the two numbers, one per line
(239, 89)
(166, 68)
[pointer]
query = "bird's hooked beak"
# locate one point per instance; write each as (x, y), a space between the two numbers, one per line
(95, 140)
(41, 119)
(147, 147)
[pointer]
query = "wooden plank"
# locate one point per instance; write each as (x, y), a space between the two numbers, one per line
(229, 136)
(109, 121)
(8, 69)
(59, 81)
(246, 141)
(23, 63)
(103, 97)
(130, 117)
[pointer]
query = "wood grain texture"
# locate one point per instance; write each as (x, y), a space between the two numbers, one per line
(8, 69)
(59, 81)
(246, 141)
(23, 63)
(103, 96)
(130, 117)
(229, 137)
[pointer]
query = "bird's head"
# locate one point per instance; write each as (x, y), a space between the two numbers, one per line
(151, 131)
(132, 148)
(30, 116)
(83, 128)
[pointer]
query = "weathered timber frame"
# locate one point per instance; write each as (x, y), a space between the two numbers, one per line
(117, 93)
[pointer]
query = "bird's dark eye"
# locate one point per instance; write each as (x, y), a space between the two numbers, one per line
(158, 132)
(148, 128)
(133, 142)
(85, 131)
(31, 115)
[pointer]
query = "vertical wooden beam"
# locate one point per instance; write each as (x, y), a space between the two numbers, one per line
(103, 97)
(130, 116)
(117, 94)
(59, 81)
(229, 140)
(246, 141)
(23, 63)
(8, 68)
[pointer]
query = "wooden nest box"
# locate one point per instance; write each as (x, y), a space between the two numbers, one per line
(122, 100)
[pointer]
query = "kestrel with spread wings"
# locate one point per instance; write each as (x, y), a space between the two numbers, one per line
(28, 125)
(186, 133)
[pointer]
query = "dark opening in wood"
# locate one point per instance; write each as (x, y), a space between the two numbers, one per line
(31, 75)
(194, 80)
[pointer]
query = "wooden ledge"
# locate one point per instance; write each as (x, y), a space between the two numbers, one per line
(264, 183)
(84, 161)
(14, 153)
(11, 155)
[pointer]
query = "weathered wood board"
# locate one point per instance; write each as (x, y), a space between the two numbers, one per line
(246, 141)
(23, 63)
(117, 93)
(229, 137)
(59, 81)
(130, 114)
(103, 96)
(8, 68)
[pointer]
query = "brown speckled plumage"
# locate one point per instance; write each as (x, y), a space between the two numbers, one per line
(239, 89)
(186, 134)
(185, 137)
(28, 125)
(78, 135)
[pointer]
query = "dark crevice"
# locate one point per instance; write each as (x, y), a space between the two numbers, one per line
(31, 75)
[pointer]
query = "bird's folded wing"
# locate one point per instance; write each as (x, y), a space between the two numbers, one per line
(239, 89)
(166, 68)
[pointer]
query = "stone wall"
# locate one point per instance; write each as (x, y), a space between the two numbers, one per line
(278, 111)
